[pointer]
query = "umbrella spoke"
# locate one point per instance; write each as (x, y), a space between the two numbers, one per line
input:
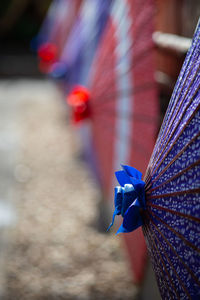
(173, 160)
(179, 235)
(175, 253)
(148, 183)
(138, 59)
(130, 116)
(187, 66)
(162, 267)
(192, 218)
(133, 142)
(173, 183)
(168, 261)
(163, 142)
(150, 190)
(110, 97)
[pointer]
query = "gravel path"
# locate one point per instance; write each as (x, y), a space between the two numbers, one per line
(55, 252)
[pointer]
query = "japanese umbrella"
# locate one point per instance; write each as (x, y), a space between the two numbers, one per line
(77, 55)
(76, 61)
(55, 30)
(172, 216)
(123, 105)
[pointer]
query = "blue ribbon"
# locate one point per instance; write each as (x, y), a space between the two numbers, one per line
(59, 70)
(129, 199)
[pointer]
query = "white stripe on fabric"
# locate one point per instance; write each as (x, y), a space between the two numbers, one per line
(120, 15)
(89, 31)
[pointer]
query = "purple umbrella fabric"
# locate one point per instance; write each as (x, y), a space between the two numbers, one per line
(172, 216)
(79, 50)
(55, 14)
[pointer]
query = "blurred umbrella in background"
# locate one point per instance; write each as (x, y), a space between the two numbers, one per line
(172, 188)
(35, 237)
(54, 31)
(124, 105)
(78, 52)
(77, 59)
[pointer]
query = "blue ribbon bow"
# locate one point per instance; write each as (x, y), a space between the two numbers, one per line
(129, 199)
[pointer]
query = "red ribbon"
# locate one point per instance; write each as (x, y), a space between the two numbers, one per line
(78, 100)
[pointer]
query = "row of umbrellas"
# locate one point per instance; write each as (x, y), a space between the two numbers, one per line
(102, 54)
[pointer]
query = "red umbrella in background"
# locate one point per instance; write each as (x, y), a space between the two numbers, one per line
(124, 107)
(122, 99)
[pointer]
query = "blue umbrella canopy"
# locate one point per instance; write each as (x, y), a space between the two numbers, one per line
(167, 203)
(172, 214)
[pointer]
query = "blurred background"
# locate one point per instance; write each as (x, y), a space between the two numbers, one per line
(20, 22)
(53, 240)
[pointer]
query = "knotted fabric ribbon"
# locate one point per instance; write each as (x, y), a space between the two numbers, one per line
(78, 99)
(47, 54)
(129, 199)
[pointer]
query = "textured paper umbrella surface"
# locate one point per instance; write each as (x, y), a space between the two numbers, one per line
(172, 180)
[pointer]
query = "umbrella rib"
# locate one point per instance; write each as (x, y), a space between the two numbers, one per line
(167, 135)
(101, 84)
(148, 183)
(131, 116)
(141, 21)
(137, 59)
(188, 121)
(139, 34)
(173, 250)
(138, 147)
(190, 191)
(158, 145)
(175, 212)
(157, 253)
(184, 73)
(149, 189)
(176, 233)
(138, 89)
(196, 163)
(172, 109)
(169, 261)
(181, 111)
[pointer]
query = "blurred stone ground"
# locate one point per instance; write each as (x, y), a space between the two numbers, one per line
(54, 250)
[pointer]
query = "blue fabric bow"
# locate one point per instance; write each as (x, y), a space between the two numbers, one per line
(129, 199)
